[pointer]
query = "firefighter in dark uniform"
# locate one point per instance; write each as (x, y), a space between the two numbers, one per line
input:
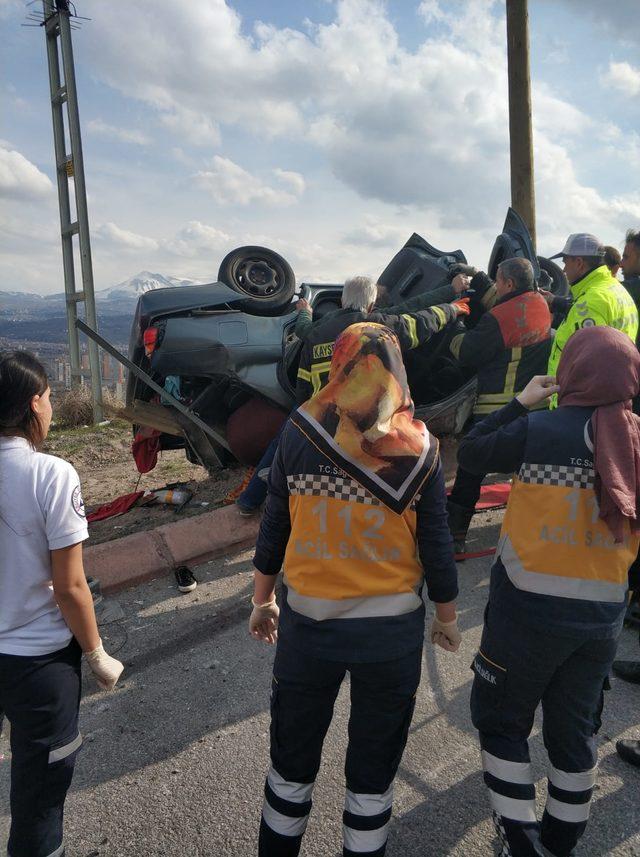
(559, 583)
(358, 302)
(413, 327)
(509, 345)
(356, 515)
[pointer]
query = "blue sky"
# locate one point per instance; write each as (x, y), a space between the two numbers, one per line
(329, 131)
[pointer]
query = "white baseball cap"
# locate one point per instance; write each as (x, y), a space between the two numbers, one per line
(581, 244)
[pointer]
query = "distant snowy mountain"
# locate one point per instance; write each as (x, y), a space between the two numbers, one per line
(145, 281)
(120, 299)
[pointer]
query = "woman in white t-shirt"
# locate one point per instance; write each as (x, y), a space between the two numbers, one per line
(47, 618)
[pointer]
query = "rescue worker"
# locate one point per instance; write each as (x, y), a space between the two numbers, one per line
(47, 618)
(358, 304)
(446, 293)
(356, 511)
(559, 583)
(358, 299)
(597, 297)
(509, 345)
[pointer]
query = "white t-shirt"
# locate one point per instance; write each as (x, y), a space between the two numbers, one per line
(41, 510)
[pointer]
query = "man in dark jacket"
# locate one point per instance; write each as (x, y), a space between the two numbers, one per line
(358, 304)
(630, 265)
(509, 345)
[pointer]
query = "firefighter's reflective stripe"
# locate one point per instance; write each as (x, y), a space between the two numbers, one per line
(487, 403)
(351, 608)
(318, 370)
(411, 327)
(512, 368)
(366, 821)
(440, 315)
(304, 375)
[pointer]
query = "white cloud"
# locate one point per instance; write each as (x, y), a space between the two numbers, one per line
(111, 132)
(293, 181)
(198, 239)
(230, 184)
(19, 178)
(191, 125)
(624, 77)
(123, 238)
(374, 233)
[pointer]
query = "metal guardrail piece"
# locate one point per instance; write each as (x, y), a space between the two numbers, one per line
(140, 373)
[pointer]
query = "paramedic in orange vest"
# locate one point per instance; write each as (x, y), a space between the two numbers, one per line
(559, 583)
(356, 516)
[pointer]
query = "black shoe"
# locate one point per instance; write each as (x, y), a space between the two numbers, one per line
(627, 670)
(185, 579)
(629, 751)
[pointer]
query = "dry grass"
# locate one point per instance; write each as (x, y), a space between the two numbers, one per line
(74, 408)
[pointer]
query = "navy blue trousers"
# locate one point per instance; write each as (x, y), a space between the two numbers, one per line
(302, 700)
(516, 669)
(41, 698)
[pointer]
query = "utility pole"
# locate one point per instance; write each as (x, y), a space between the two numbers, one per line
(523, 197)
(70, 164)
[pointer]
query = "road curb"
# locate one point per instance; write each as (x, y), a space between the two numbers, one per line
(142, 556)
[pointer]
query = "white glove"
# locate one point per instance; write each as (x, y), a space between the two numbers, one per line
(105, 669)
(445, 634)
(263, 622)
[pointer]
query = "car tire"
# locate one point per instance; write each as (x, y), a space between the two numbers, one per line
(262, 276)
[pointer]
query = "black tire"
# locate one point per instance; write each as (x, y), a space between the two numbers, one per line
(263, 276)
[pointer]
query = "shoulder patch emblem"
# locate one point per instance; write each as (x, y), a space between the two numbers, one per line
(77, 502)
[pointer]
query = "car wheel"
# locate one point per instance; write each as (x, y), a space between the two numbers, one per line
(264, 277)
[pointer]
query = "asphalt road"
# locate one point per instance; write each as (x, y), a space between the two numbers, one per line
(174, 761)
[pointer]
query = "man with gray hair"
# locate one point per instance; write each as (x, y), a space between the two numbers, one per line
(358, 304)
(509, 345)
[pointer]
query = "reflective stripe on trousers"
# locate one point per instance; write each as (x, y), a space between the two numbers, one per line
(366, 821)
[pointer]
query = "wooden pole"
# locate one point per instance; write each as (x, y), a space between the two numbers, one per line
(520, 131)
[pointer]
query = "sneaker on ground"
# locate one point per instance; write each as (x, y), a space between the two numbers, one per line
(185, 579)
(246, 511)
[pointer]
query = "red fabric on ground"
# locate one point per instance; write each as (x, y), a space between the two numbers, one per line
(145, 448)
(475, 554)
(115, 507)
(493, 496)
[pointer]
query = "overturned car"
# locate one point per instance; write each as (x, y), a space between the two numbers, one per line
(228, 352)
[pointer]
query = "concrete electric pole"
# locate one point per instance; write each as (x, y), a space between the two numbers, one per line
(520, 132)
(70, 165)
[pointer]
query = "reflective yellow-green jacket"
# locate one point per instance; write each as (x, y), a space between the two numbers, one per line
(598, 300)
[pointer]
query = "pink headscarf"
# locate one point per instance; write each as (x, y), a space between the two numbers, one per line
(600, 367)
